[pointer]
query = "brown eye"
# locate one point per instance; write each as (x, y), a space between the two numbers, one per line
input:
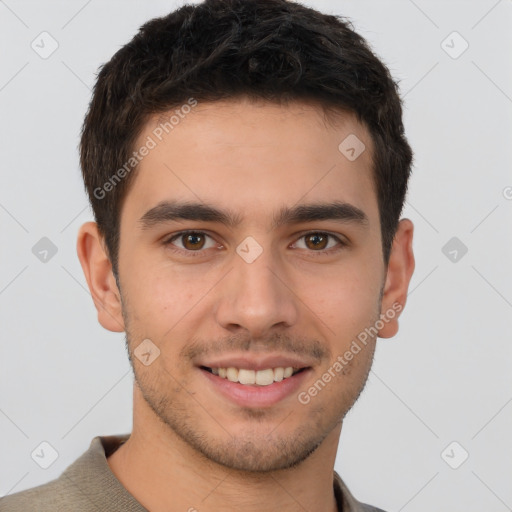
(317, 241)
(193, 241)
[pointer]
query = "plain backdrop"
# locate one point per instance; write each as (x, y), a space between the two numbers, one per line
(432, 429)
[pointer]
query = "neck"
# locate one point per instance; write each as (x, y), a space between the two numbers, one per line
(165, 474)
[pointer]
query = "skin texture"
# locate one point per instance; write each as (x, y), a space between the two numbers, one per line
(190, 446)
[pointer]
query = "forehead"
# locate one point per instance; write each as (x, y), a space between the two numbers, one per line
(253, 156)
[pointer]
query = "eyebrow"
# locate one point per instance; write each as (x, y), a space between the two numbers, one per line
(167, 211)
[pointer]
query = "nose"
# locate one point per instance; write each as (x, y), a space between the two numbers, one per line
(257, 297)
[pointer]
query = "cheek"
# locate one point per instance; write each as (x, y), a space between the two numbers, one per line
(162, 301)
(346, 302)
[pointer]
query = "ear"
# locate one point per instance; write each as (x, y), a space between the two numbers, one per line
(400, 270)
(97, 268)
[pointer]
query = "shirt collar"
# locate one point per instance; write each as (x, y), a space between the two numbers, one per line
(92, 474)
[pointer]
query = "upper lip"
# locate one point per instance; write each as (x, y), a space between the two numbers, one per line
(255, 362)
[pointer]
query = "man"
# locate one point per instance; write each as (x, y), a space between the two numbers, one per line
(247, 168)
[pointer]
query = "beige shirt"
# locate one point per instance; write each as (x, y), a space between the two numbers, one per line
(88, 485)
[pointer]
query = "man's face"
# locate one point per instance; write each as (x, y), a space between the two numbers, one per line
(257, 294)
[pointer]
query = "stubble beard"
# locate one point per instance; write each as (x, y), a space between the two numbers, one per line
(257, 450)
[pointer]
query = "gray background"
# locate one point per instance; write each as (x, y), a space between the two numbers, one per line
(445, 377)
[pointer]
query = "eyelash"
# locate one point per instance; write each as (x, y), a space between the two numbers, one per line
(200, 252)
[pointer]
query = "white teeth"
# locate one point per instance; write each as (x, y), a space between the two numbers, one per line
(265, 377)
(232, 374)
(247, 377)
(278, 374)
(260, 377)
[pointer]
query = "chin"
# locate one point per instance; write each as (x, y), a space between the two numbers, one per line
(259, 456)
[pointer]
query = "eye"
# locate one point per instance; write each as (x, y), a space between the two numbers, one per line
(318, 241)
(191, 241)
(194, 243)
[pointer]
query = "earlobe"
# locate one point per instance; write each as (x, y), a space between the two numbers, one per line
(100, 278)
(400, 269)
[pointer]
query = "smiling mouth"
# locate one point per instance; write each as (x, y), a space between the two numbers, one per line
(254, 377)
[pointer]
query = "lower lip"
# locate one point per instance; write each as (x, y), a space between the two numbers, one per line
(253, 395)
